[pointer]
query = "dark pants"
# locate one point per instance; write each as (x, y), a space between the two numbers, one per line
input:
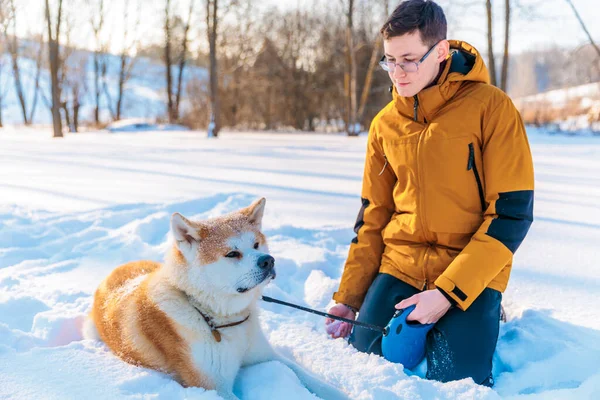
(460, 345)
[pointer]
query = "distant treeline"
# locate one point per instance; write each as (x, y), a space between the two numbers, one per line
(312, 68)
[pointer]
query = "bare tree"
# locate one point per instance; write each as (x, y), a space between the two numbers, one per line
(584, 27)
(72, 79)
(490, 39)
(296, 74)
(372, 65)
(127, 61)
(505, 57)
(8, 16)
(53, 26)
(212, 19)
(10, 20)
(239, 52)
(175, 28)
(268, 74)
(3, 84)
(350, 71)
(168, 62)
(97, 22)
(295, 31)
(183, 57)
(36, 80)
(74, 88)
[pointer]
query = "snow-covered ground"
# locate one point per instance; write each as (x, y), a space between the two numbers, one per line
(73, 209)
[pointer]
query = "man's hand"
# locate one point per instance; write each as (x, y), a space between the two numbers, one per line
(431, 306)
(339, 329)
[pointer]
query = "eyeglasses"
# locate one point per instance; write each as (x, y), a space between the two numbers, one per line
(407, 66)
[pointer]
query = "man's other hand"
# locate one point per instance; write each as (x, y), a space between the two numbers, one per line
(431, 305)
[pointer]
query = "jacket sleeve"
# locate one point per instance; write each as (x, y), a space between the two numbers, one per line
(508, 176)
(366, 249)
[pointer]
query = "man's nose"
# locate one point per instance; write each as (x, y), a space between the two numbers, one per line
(399, 72)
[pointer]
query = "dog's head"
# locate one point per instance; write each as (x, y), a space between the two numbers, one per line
(223, 256)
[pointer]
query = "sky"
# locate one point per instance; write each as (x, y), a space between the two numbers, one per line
(537, 23)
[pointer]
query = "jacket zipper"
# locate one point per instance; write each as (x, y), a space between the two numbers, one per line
(416, 109)
(422, 217)
(472, 166)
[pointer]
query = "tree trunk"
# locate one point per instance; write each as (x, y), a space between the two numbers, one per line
(113, 114)
(97, 68)
(53, 55)
(236, 95)
(168, 63)
(350, 78)
(490, 37)
(126, 64)
(76, 107)
(369, 78)
(121, 88)
(215, 111)
(36, 88)
(13, 48)
(268, 119)
(17, 80)
(182, 59)
(65, 107)
(96, 88)
(505, 57)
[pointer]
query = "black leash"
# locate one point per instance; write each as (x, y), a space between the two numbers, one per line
(310, 310)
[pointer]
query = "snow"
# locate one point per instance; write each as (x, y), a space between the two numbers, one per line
(73, 209)
(143, 125)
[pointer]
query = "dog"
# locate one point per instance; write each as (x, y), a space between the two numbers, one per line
(195, 317)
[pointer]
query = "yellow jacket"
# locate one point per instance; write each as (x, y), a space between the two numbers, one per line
(447, 193)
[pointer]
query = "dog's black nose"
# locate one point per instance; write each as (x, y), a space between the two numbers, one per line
(266, 262)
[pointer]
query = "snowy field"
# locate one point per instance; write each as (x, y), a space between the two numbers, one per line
(71, 210)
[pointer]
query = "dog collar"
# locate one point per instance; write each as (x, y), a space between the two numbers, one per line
(214, 329)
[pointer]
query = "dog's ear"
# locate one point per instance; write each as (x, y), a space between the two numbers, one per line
(255, 212)
(183, 230)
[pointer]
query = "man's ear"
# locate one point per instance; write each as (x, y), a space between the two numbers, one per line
(255, 212)
(443, 50)
(183, 230)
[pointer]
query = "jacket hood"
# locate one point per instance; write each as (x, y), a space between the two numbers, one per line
(464, 64)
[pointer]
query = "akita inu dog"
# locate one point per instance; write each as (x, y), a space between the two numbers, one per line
(195, 317)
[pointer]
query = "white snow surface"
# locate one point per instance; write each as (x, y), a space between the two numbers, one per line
(73, 209)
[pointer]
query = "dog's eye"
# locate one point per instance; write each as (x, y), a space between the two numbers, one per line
(256, 246)
(233, 254)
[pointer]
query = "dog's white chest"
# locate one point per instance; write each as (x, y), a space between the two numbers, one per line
(221, 359)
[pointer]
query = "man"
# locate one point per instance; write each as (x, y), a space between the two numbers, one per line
(447, 199)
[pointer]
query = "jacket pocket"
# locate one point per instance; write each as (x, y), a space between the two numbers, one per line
(449, 193)
(472, 166)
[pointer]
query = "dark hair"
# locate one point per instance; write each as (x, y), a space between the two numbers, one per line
(424, 16)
